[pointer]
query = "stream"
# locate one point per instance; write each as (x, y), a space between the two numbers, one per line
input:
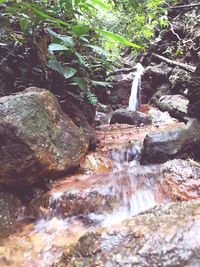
(111, 187)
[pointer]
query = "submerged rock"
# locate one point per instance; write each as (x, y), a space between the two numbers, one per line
(37, 139)
(130, 117)
(165, 236)
(127, 191)
(179, 142)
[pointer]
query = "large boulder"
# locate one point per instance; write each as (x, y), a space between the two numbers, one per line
(177, 142)
(130, 117)
(37, 139)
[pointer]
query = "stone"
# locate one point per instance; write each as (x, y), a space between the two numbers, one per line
(178, 142)
(164, 236)
(130, 117)
(36, 138)
(77, 116)
(120, 91)
(176, 105)
(157, 74)
(10, 210)
(179, 80)
(194, 108)
(163, 89)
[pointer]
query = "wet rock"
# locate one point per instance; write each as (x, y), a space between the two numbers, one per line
(10, 210)
(120, 92)
(73, 196)
(179, 142)
(165, 236)
(130, 117)
(179, 80)
(37, 139)
(103, 114)
(176, 105)
(164, 89)
(77, 116)
(97, 163)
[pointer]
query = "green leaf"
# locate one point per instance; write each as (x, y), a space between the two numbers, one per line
(67, 72)
(118, 38)
(98, 50)
(101, 4)
(100, 83)
(92, 98)
(80, 30)
(81, 59)
(45, 16)
(81, 82)
(2, 1)
(24, 24)
(57, 47)
(68, 40)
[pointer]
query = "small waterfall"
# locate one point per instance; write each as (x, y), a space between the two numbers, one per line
(135, 89)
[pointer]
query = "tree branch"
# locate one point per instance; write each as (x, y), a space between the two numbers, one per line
(172, 62)
(184, 6)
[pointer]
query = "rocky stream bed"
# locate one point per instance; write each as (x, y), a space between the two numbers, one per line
(123, 193)
(115, 211)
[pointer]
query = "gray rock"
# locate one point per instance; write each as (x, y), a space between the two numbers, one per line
(179, 80)
(176, 105)
(164, 236)
(130, 117)
(181, 142)
(36, 138)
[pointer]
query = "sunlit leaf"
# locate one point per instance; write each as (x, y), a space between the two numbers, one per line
(98, 49)
(118, 38)
(80, 30)
(101, 4)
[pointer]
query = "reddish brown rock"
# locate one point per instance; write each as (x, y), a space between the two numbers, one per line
(36, 138)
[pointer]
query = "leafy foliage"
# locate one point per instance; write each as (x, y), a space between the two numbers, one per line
(60, 35)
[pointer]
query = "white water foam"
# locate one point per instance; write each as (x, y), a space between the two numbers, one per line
(135, 89)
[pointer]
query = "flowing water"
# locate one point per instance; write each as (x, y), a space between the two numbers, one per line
(134, 100)
(127, 190)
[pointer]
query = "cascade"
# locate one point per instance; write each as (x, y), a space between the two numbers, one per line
(135, 89)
